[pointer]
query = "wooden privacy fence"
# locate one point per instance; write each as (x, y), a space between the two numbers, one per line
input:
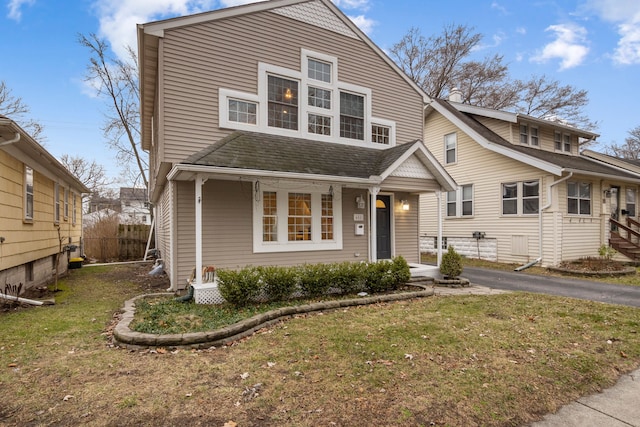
(129, 244)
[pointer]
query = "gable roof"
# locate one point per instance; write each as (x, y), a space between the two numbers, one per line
(19, 144)
(555, 163)
(310, 11)
(629, 164)
(265, 154)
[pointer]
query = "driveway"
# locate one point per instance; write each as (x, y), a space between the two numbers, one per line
(562, 286)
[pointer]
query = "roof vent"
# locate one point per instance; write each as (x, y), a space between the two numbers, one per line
(455, 95)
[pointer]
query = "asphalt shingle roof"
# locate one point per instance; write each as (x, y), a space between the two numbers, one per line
(566, 161)
(259, 151)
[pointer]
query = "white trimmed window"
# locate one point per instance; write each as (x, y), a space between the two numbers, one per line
(66, 203)
(74, 206)
(450, 148)
(529, 135)
(566, 142)
(579, 198)
(557, 140)
(56, 203)
(460, 202)
(521, 198)
(28, 193)
(289, 220)
(309, 102)
(631, 202)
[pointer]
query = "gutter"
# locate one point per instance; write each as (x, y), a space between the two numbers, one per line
(11, 141)
(545, 207)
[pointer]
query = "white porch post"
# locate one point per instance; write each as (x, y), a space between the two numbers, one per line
(439, 238)
(373, 234)
(199, 183)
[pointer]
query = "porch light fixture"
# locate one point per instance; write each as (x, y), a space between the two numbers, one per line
(405, 205)
(360, 202)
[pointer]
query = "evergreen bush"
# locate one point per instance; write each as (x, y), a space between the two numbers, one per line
(451, 266)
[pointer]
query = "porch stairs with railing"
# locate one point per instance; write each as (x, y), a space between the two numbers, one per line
(625, 238)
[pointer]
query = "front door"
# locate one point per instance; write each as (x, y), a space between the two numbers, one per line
(383, 227)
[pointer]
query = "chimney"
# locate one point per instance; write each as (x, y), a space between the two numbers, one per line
(455, 95)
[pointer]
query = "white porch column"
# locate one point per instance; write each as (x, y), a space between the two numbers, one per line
(373, 234)
(199, 183)
(439, 238)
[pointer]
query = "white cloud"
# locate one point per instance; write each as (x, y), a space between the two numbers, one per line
(626, 15)
(364, 23)
(15, 8)
(521, 30)
(352, 4)
(500, 8)
(570, 46)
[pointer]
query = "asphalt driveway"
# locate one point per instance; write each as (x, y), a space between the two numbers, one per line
(562, 286)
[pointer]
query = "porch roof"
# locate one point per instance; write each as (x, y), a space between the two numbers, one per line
(291, 157)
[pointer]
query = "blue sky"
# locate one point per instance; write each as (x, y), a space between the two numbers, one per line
(590, 44)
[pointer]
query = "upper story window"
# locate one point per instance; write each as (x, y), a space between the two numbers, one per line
(283, 103)
(74, 213)
(351, 115)
(529, 135)
(579, 198)
(450, 148)
(28, 193)
(66, 203)
(319, 70)
(562, 141)
(460, 202)
(310, 102)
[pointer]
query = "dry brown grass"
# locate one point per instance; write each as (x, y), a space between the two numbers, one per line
(501, 360)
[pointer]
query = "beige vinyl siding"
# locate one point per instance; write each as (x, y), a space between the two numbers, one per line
(228, 230)
(406, 228)
(500, 127)
(29, 241)
(197, 62)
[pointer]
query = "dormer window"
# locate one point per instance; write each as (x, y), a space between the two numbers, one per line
(529, 135)
(562, 141)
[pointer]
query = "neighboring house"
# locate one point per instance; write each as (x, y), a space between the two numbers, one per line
(40, 209)
(134, 206)
(525, 191)
(279, 134)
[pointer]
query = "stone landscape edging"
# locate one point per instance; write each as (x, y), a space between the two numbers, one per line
(125, 337)
(627, 271)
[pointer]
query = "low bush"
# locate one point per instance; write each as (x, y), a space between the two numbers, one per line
(451, 265)
(244, 286)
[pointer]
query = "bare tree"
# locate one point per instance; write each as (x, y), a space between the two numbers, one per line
(541, 97)
(440, 63)
(631, 147)
(15, 109)
(117, 81)
(91, 174)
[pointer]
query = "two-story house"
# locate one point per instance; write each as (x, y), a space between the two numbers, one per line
(525, 193)
(40, 210)
(279, 134)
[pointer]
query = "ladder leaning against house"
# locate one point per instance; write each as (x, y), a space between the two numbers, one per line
(625, 238)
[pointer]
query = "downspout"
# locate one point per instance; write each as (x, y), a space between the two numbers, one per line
(11, 141)
(540, 234)
(439, 237)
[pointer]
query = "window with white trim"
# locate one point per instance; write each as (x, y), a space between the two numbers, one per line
(309, 102)
(28, 193)
(450, 148)
(66, 203)
(460, 202)
(243, 111)
(524, 134)
(557, 140)
(351, 115)
(579, 198)
(521, 198)
(292, 220)
(566, 139)
(631, 202)
(534, 140)
(74, 206)
(529, 135)
(282, 103)
(56, 202)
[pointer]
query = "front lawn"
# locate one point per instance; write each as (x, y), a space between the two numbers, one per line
(499, 360)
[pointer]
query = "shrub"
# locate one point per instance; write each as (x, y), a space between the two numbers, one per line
(401, 270)
(315, 279)
(380, 277)
(239, 287)
(451, 263)
(278, 282)
(349, 277)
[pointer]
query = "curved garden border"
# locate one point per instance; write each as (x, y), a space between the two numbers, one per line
(627, 271)
(125, 337)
